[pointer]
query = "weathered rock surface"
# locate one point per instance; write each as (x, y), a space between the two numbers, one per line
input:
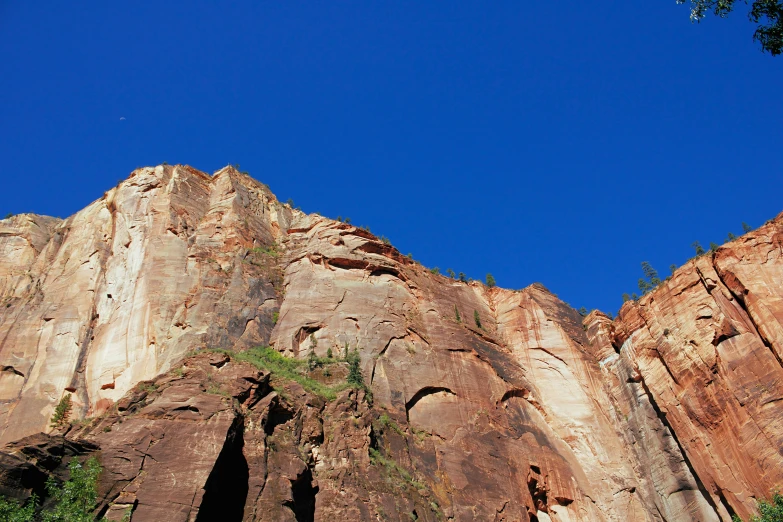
(117, 293)
(214, 441)
(705, 349)
(26, 464)
(487, 404)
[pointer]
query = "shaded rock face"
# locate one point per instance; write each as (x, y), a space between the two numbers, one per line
(26, 464)
(214, 441)
(487, 404)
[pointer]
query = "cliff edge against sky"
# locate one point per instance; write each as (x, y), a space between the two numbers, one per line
(483, 404)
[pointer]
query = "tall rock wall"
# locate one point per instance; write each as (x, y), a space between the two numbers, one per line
(507, 404)
(520, 396)
(704, 349)
(117, 293)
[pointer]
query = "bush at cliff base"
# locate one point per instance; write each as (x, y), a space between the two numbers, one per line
(770, 511)
(74, 499)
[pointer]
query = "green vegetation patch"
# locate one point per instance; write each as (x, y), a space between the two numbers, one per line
(271, 250)
(770, 511)
(386, 423)
(295, 370)
(75, 499)
(396, 473)
(148, 386)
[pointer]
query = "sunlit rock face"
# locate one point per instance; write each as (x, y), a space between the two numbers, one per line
(126, 287)
(705, 349)
(507, 405)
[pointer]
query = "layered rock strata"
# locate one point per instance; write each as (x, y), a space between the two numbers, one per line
(495, 404)
(214, 441)
(161, 265)
(704, 349)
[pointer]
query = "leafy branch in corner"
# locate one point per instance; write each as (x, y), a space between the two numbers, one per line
(767, 14)
(74, 499)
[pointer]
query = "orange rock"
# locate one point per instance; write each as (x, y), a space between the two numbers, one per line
(706, 347)
(487, 404)
(120, 291)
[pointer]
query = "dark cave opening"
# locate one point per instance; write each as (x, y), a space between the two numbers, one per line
(538, 493)
(278, 414)
(304, 493)
(226, 489)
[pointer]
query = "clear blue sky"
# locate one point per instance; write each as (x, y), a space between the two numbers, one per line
(560, 142)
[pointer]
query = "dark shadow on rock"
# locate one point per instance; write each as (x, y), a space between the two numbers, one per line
(227, 485)
(304, 493)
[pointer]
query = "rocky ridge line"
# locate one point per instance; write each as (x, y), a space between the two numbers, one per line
(530, 416)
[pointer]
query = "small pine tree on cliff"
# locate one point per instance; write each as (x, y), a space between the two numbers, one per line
(490, 280)
(650, 273)
(644, 286)
(355, 377)
(62, 412)
(477, 318)
(312, 360)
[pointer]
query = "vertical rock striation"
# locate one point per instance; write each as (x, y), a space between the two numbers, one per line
(705, 349)
(117, 293)
(487, 404)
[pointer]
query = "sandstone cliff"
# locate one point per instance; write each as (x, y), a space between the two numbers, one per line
(669, 413)
(705, 349)
(121, 290)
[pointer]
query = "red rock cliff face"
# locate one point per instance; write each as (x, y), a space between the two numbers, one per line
(123, 289)
(705, 350)
(502, 404)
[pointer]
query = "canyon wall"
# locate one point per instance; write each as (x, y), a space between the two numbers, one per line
(503, 405)
(704, 349)
(126, 287)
